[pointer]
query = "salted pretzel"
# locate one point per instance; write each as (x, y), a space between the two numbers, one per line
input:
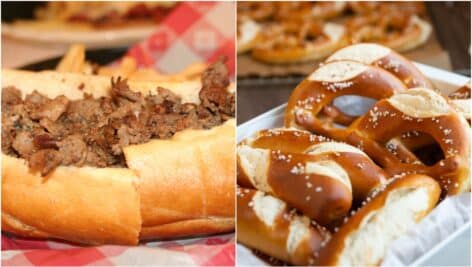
(385, 58)
(267, 224)
(306, 108)
(295, 10)
(396, 29)
(317, 176)
(461, 100)
(416, 110)
(295, 41)
(389, 213)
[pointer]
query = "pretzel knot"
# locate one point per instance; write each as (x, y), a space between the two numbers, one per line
(318, 177)
(309, 106)
(423, 111)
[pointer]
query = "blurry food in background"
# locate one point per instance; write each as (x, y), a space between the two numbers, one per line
(296, 31)
(308, 10)
(248, 34)
(99, 15)
(294, 41)
(74, 61)
(396, 25)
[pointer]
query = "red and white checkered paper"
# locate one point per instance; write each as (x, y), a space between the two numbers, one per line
(193, 32)
(208, 251)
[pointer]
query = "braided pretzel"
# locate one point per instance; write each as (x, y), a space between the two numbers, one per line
(332, 80)
(293, 41)
(316, 176)
(420, 110)
(294, 10)
(266, 223)
(399, 31)
(385, 58)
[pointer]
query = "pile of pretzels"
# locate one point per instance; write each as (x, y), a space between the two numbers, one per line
(285, 32)
(332, 188)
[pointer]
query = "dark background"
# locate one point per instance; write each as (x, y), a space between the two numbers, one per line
(451, 22)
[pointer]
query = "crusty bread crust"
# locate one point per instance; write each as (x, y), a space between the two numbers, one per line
(186, 177)
(176, 187)
(52, 84)
(188, 228)
(84, 205)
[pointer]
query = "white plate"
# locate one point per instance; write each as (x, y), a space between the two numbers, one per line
(90, 38)
(444, 81)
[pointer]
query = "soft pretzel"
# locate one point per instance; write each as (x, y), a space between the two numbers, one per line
(294, 41)
(461, 100)
(394, 29)
(267, 224)
(366, 236)
(294, 10)
(385, 58)
(416, 110)
(318, 177)
(248, 31)
(331, 80)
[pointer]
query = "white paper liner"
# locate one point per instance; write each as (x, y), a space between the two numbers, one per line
(450, 215)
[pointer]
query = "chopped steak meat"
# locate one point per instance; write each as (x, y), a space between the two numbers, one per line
(45, 161)
(213, 98)
(93, 131)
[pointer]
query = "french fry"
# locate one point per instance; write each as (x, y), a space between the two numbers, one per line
(73, 60)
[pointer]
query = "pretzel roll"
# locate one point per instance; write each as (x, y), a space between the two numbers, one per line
(265, 223)
(417, 110)
(385, 58)
(366, 236)
(294, 41)
(332, 80)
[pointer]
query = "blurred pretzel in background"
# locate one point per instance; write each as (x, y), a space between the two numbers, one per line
(395, 25)
(276, 32)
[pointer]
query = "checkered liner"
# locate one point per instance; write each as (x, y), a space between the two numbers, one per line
(210, 251)
(193, 32)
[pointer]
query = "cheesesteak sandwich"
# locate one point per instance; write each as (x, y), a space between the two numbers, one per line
(92, 161)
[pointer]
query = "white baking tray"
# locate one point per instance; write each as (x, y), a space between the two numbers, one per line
(444, 81)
